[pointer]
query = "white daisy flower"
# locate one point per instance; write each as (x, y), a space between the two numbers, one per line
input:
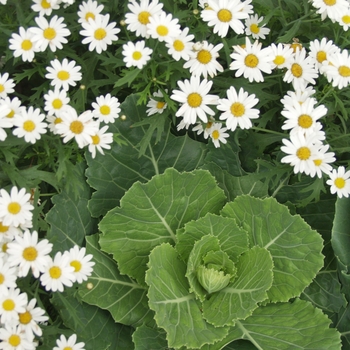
(89, 9)
(139, 15)
(14, 106)
(180, 47)
(163, 26)
(63, 74)
(332, 8)
(282, 55)
(8, 232)
(340, 182)
(81, 263)
(11, 304)
(6, 85)
(3, 2)
(205, 129)
(11, 338)
(321, 162)
(100, 140)
(50, 34)
(204, 60)
(238, 109)
(302, 71)
(338, 72)
(298, 96)
(8, 276)
(30, 319)
(136, 55)
(156, 106)
(217, 134)
(70, 343)
(194, 99)
(56, 101)
(44, 7)
(253, 28)
(320, 51)
(80, 127)
(23, 45)
(99, 33)
(344, 20)
(106, 108)
(182, 125)
(15, 208)
(29, 254)
(58, 273)
(4, 122)
(301, 153)
(225, 14)
(30, 125)
(251, 61)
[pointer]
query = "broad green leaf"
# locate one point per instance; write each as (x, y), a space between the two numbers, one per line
(241, 297)
(70, 220)
(233, 239)
(150, 213)
(108, 289)
(286, 326)
(113, 174)
(343, 325)
(294, 246)
(176, 309)
(93, 326)
(146, 338)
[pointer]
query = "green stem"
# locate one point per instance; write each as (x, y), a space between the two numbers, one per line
(269, 131)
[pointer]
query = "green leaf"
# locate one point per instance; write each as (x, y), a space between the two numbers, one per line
(149, 214)
(294, 246)
(233, 239)
(70, 220)
(113, 174)
(146, 338)
(286, 326)
(241, 297)
(177, 310)
(108, 289)
(93, 326)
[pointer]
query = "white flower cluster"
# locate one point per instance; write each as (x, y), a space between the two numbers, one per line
(23, 253)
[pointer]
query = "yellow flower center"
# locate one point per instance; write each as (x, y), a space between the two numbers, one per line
(3, 228)
(339, 182)
(57, 103)
(321, 56)
(55, 272)
(297, 70)
(143, 17)
(4, 248)
(344, 71)
(162, 30)
(11, 114)
(305, 121)
(303, 153)
(67, 348)
(237, 109)
(45, 4)
(30, 253)
(215, 134)
(26, 45)
(14, 340)
(8, 305)
(279, 60)
(317, 162)
(25, 317)
(254, 28)
(346, 19)
(76, 127)
(105, 110)
(251, 60)
(296, 46)
(100, 34)
(14, 208)
(160, 104)
(178, 45)
(57, 121)
(194, 100)
(89, 15)
(29, 125)
(77, 265)
(330, 2)
(204, 56)
(224, 15)
(49, 33)
(2, 278)
(63, 75)
(136, 55)
(2, 88)
(95, 139)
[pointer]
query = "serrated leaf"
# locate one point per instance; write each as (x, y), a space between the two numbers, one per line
(94, 326)
(146, 338)
(294, 246)
(112, 291)
(241, 297)
(70, 220)
(113, 174)
(151, 213)
(233, 239)
(176, 309)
